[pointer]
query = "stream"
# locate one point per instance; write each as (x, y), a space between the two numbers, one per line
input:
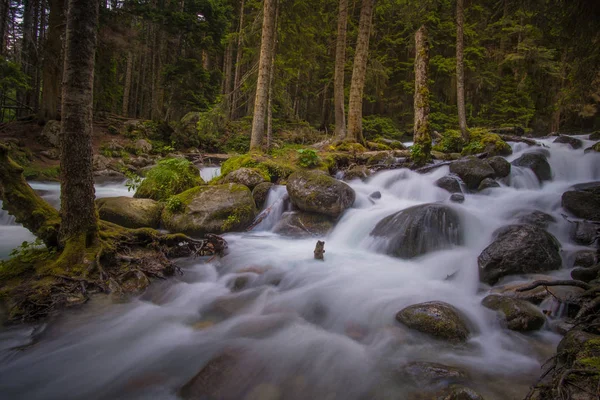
(302, 328)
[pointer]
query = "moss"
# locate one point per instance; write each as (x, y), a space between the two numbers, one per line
(271, 169)
(589, 357)
(482, 140)
(35, 172)
(451, 142)
(596, 147)
(350, 147)
(170, 177)
(376, 146)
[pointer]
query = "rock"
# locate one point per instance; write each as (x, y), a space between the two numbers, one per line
(380, 157)
(586, 274)
(458, 392)
(211, 209)
(51, 133)
(449, 183)
(519, 249)
(584, 233)
(303, 224)
(538, 163)
(129, 212)
(375, 195)
(245, 176)
(260, 193)
(53, 154)
(265, 392)
(500, 166)
(419, 230)
(572, 344)
(143, 146)
(535, 296)
(457, 198)
(593, 148)
(214, 379)
(595, 136)
(519, 315)
(135, 282)
(487, 183)
(427, 374)
(437, 319)
(357, 172)
(319, 193)
(535, 218)
(571, 141)
(583, 203)
(100, 162)
(113, 145)
(585, 258)
(169, 177)
(472, 171)
(141, 161)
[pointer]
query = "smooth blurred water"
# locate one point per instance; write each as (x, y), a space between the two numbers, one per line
(328, 324)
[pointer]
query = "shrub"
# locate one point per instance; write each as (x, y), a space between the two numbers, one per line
(169, 177)
(451, 142)
(308, 158)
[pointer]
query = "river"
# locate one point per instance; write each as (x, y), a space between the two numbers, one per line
(304, 328)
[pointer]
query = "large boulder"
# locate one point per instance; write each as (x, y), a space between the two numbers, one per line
(129, 212)
(519, 315)
(143, 146)
(210, 209)
(303, 224)
(169, 177)
(51, 133)
(436, 318)
(419, 230)
(536, 217)
(571, 141)
(500, 166)
(519, 249)
(245, 176)
(584, 201)
(585, 233)
(449, 183)
(487, 183)
(538, 163)
(472, 171)
(595, 136)
(319, 193)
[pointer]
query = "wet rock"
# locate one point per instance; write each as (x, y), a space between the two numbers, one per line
(212, 382)
(245, 176)
(210, 209)
(143, 146)
(584, 233)
(260, 193)
(585, 258)
(584, 202)
(429, 373)
(435, 318)
(130, 212)
(519, 315)
(357, 172)
(586, 274)
(303, 224)
(265, 392)
(487, 183)
(472, 171)
(457, 198)
(535, 296)
(449, 183)
(135, 282)
(519, 249)
(319, 193)
(535, 218)
(500, 166)
(595, 136)
(538, 163)
(458, 392)
(573, 343)
(571, 141)
(375, 195)
(51, 133)
(595, 148)
(419, 230)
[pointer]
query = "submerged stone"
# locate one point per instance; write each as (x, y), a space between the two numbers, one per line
(436, 318)
(303, 224)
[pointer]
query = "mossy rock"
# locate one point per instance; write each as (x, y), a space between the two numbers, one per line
(357, 172)
(130, 213)
(484, 141)
(380, 158)
(436, 318)
(210, 209)
(249, 177)
(271, 169)
(451, 141)
(302, 224)
(457, 392)
(375, 146)
(573, 344)
(500, 166)
(350, 147)
(319, 193)
(569, 140)
(519, 315)
(260, 193)
(169, 177)
(595, 147)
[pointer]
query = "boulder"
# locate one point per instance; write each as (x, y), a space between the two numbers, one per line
(536, 218)
(129, 212)
(586, 274)
(436, 318)
(519, 249)
(53, 154)
(538, 163)
(519, 315)
(584, 233)
(595, 136)
(419, 230)
(319, 193)
(500, 166)
(245, 176)
(573, 343)
(260, 193)
(303, 224)
(51, 133)
(100, 162)
(584, 202)
(449, 183)
(571, 141)
(487, 183)
(457, 198)
(472, 171)
(357, 172)
(594, 148)
(143, 146)
(585, 258)
(210, 209)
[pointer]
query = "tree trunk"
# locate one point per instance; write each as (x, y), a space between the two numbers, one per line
(359, 73)
(4, 8)
(26, 56)
(340, 62)
(127, 85)
(262, 85)
(52, 68)
(271, 73)
(78, 213)
(421, 150)
(238, 65)
(227, 69)
(460, 70)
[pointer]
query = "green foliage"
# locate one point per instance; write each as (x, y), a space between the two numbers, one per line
(24, 258)
(419, 154)
(174, 204)
(351, 147)
(169, 177)
(308, 158)
(133, 181)
(36, 172)
(482, 140)
(375, 126)
(451, 142)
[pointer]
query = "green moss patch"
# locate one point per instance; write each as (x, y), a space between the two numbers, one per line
(170, 177)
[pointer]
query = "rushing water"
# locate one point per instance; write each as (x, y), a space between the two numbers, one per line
(310, 329)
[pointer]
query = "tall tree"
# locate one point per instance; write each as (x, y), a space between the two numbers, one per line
(262, 85)
(79, 226)
(340, 62)
(4, 9)
(460, 69)
(359, 72)
(52, 68)
(421, 150)
(238, 65)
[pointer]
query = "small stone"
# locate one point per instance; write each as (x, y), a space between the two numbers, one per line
(457, 198)
(375, 195)
(487, 183)
(449, 183)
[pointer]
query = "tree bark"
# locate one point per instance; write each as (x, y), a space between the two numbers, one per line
(271, 73)
(359, 73)
(262, 85)
(127, 85)
(238, 65)
(26, 55)
(52, 68)
(460, 70)
(78, 213)
(4, 8)
(421, 150)
(227, 69)
(340, 62)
